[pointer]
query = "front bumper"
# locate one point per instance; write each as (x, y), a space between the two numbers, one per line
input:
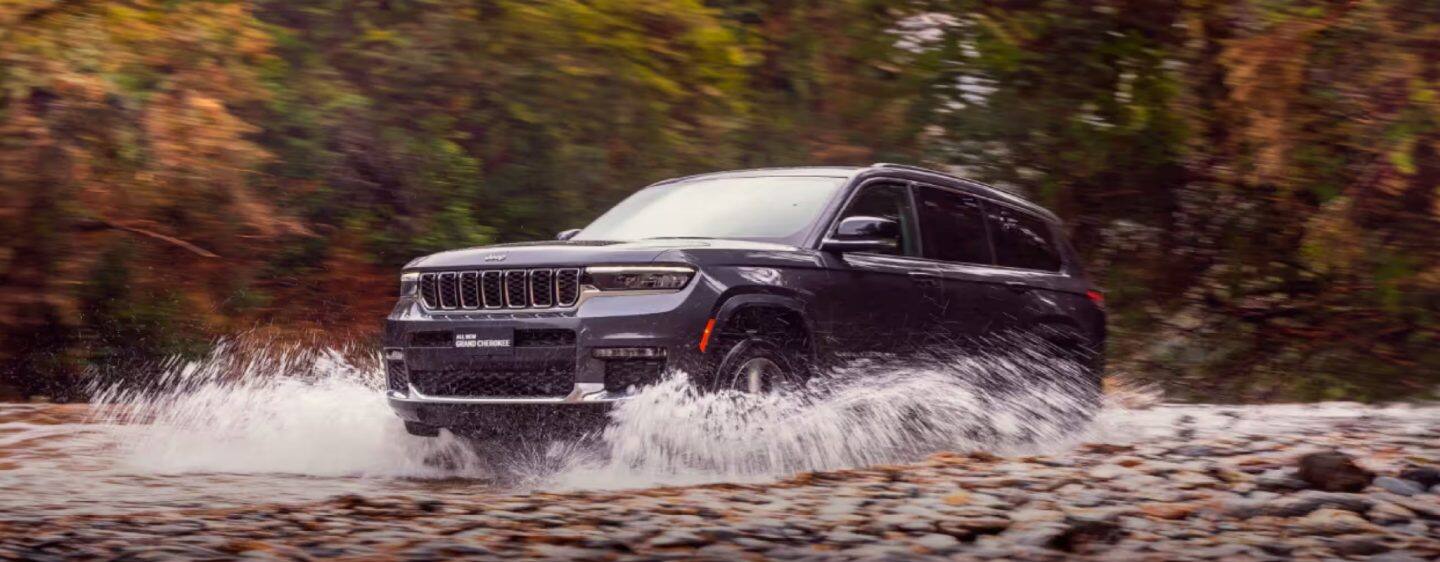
(585, 407)
(583, 393)
(672, 321)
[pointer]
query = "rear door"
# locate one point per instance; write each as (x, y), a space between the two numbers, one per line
(877, 300)
(1030, 266)
(953, 231)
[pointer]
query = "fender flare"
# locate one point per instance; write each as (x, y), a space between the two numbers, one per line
(730, 306)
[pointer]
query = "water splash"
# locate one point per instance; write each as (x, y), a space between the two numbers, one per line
(870, 412)
(249, 410)
(255, 424)
(256, 409)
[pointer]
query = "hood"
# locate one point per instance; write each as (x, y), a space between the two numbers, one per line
(586, 252)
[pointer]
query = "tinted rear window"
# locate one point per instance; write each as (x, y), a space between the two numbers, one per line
(1021, 240)
(952, 226)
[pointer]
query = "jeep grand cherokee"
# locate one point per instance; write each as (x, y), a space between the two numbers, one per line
(747, 280)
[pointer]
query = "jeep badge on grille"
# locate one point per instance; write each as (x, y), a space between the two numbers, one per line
(495, 257)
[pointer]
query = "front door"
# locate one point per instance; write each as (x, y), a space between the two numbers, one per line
(878, 300)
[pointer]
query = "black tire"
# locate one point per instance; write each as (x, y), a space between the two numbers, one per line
(421, 430)
(758, 365)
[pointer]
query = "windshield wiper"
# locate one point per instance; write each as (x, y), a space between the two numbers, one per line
(681, 238)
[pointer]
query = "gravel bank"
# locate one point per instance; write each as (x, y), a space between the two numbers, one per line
(1201, 490)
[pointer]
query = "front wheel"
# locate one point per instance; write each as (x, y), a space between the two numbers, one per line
(758, 366)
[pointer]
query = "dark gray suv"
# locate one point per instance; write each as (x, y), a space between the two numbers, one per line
(749, 280)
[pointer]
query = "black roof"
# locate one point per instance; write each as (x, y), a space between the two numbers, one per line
(879, 167)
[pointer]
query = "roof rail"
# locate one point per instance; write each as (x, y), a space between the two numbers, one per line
(992, 189)
(919, 169)
(905, 166)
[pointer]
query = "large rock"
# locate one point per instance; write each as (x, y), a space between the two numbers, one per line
(1333, 472)
(1399, 486)
(1331, 521)
(1425, 476)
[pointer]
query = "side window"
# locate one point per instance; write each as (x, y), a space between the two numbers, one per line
(887, 201)
(1021, 240)
(952, 226)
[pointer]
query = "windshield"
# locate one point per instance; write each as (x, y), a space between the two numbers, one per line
(773, 208)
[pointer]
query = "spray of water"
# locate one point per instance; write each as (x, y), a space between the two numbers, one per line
(264, 423)
(870, 412)
(321, 413)
(248, 409)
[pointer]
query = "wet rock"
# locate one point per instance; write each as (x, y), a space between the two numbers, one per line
(1303, 503)
(846, 538)
(974, 525)
(1280, 480)
(1398, 486)
(1422, 505)
(1044, 534)
(1081, 534)
(1087, 499)
(1194, 451)
(1396, 557)
(1359, 546)
(679, 537)
(1330, 521)
(1108, 472)
(1222, 552)
(1241, 508)
(1333, 472)
(1168, 510)
(1427, 477)
(1386, 513)
(937, 542)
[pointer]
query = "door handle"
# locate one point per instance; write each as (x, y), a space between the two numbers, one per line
(1017, 286)
(925, 278)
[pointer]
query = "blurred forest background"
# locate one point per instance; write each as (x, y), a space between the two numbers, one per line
(1253, 181)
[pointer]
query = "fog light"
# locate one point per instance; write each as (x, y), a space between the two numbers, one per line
(628, 352)
(395, 355)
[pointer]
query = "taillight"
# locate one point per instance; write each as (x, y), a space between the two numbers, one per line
(1096, 297)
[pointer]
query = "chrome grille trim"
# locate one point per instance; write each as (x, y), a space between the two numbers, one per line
(494, 289)
(449, 291)
(542, 288)
(469, 290)
(429, 292)
(517, 288)
(567, 286)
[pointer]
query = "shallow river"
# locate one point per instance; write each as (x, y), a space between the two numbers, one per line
(263, 438)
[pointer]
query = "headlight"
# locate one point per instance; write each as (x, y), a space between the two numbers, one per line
(409, 284)
(639, 277)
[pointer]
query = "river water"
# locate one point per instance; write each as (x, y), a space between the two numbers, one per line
(281, 431)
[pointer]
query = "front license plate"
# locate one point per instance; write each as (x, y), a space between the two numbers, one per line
(488, 342)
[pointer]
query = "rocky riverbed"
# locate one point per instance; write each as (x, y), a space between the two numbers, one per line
(1170, 482)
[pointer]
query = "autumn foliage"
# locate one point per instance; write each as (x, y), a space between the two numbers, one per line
(1255, 182)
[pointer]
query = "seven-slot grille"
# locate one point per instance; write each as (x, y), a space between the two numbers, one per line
(496, 289)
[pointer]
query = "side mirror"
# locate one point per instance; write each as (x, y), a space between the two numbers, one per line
(863, 234)
(567, 234)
